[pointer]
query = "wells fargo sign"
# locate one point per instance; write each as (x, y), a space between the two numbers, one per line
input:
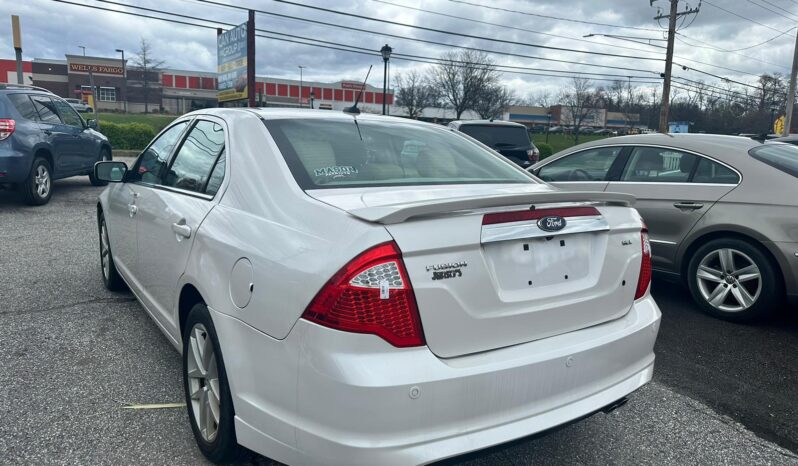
(98, 69)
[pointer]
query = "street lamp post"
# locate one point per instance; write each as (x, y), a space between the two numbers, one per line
(301, 67)
(91, 84)
(548, 129)
(124, 76)
(386, 55)
(773, 109)
(312, 97)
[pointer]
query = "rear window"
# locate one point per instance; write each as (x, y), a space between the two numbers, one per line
(24, 106)
(781, 156)
(340, 154)
(498, 136)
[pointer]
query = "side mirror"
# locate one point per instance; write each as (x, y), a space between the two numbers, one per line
(92, 124)
(112, 171)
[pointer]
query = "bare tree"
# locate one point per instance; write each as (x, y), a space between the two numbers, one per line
(579, 102)
(461, 76)
(415, 93)
(542, 98)
(491, 101)
(148, 65)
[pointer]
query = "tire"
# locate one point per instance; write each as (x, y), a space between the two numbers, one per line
(38, 187)
(199, 336)
(725, 295)
(111, 278)
(105, 154)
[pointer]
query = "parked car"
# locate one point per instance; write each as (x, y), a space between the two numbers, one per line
(791, 139)
(555, 129)
(335, 303)
(80, 105)
(605, 132)
(721, 210)
(43, 139)
(505, 137)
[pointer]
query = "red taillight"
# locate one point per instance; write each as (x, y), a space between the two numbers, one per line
(644, 280)
(7, 127)
(521, 215)
(533, 155)
(371, 294)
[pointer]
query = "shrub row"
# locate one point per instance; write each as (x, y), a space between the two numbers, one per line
(545, 149)
(127, 136)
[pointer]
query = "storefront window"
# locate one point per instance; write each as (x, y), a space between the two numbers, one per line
(107, 94)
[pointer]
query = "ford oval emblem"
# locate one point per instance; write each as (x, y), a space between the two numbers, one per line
(551, 223)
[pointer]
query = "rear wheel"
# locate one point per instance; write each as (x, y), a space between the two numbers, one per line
(105, 155)
(210, 406)
(37, 189)
(734, 280)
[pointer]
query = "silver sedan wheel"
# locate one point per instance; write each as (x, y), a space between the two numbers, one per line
(42, 181)
(729, 280)
(203, 382)
(105, 251)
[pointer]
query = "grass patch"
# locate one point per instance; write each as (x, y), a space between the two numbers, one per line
(156, 122)
(560, 142)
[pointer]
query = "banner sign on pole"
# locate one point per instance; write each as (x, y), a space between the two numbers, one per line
(232, 64)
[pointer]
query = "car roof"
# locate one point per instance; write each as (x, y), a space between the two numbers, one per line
(722, 147)
(276, 113)
(790, 138)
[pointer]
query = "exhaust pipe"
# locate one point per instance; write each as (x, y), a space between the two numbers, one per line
(614, 405)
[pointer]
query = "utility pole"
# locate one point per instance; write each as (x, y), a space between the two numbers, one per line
(17, 36)
(791, 92)
(666, 85)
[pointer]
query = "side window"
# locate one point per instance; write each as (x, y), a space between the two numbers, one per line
(712, 172)
(150, 166)
(68, 114)
(24, 106)
(191, 168)
(588, 165)
(46, 109)
(658, 165)
(217, 175)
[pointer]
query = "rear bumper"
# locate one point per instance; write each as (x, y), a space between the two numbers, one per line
(360, 401)
(14, 165)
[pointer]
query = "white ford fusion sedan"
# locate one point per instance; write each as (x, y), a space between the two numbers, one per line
(357, 289)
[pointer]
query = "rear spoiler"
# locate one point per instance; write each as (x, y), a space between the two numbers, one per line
(398, 213)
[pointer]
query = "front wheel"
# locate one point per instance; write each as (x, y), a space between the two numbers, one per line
(210, 406)
(111, 278)
(733, 280)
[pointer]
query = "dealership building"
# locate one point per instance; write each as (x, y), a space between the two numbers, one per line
(120, 88)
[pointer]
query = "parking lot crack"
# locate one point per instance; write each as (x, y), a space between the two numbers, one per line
(61, 307)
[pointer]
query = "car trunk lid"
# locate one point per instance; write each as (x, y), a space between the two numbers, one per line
(486, 275)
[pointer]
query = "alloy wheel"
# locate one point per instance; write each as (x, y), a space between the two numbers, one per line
(203, 382)
(729, 280)
(42, 181)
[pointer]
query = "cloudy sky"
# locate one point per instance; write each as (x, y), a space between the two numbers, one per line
(722, 39)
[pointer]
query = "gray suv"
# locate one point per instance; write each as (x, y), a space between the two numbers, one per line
(722, 211)
(42, 138)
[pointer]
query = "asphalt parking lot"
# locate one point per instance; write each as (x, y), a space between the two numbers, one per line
(74, 354)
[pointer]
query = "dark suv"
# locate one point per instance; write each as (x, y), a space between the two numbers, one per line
(505, 137)
(42, 138)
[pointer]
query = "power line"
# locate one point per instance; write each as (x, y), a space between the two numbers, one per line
(740, 49)
(452, 33)
(559, 36)
(553, 17)
(314, 42)
(740, 16)
(780, 13)
(718, 49)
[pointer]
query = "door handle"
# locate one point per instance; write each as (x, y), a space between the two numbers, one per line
(48, 132)
(688, 205)
(182, 229)
(132, 209)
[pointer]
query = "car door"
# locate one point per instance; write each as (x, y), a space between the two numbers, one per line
(586, 170)
(170, 212)
(674, 189)
(61, 138)
(123, 199)
(86, 148)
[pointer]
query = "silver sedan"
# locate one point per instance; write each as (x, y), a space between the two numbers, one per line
(365, 290)
(722, 211)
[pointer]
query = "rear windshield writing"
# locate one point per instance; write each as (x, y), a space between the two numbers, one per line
(339, 153)
(498, 136)
(781, 156)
